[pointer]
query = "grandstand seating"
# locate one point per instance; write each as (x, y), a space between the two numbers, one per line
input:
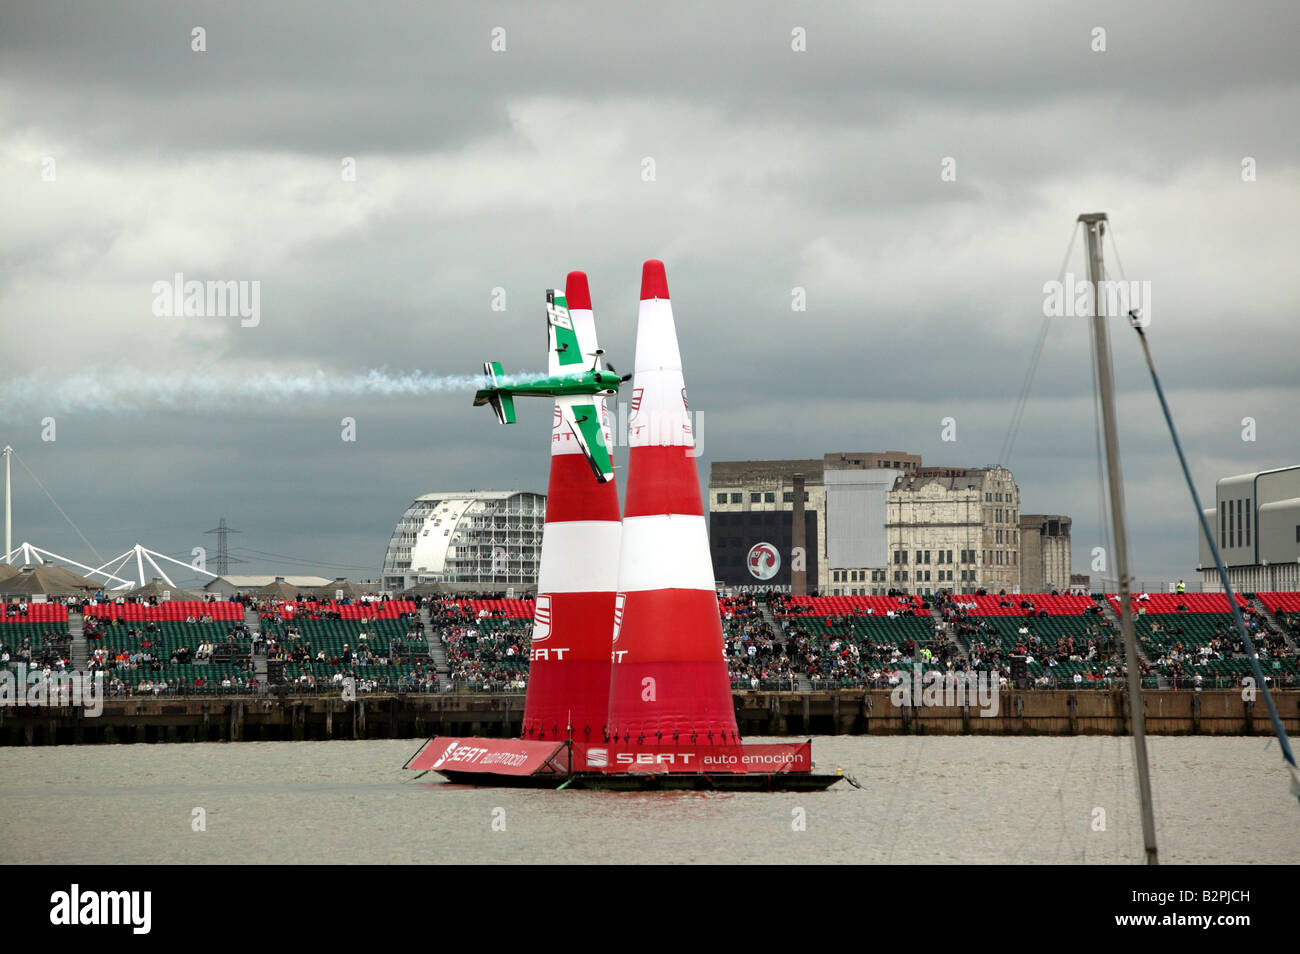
(1069, 604)
(491, 651)
(39, 636)
(850, 605)
(331, 635)
(1169, 602)
(1050, 629)
(14, 633)
(514, 609)
(164, 638)
(170, 611)
(36, 613)
(896, 631)
(362, 610)
(1166, 630)
(1280, 602)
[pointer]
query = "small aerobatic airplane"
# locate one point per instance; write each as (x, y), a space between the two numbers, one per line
(574, 386)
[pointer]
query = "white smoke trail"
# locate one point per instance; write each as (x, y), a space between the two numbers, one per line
(126, 390)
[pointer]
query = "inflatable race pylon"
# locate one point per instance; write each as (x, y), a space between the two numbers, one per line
(668, 680)
(568, 675)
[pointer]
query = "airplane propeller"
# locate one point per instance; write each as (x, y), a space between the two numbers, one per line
(624, 379)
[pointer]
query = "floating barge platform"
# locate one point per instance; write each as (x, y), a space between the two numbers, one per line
(615, 767)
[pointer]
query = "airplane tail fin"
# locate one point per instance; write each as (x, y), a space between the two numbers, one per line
(503, 402)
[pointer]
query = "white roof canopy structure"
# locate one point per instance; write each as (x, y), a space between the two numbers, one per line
(27, 553)
(144, 555)
(110, 571)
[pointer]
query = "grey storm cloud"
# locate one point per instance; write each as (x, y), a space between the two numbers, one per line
(479, 171)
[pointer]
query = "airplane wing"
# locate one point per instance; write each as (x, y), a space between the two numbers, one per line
(583, 418)
(564, 350)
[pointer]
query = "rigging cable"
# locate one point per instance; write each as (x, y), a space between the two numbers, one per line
(302, 562)
(57, 507)
(1022, 401)
(1252, 657)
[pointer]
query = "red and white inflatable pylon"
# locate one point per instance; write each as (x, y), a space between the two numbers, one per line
(568, 676)
(669, 679)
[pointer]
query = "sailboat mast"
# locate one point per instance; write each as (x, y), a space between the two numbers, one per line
(9, 507)
(1095, 226)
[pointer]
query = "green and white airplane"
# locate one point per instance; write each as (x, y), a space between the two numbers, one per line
(572, 384)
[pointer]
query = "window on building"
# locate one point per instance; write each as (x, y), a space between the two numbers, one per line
(722, 498)
(1238, 522)
(755, 498)
(787, 497)
(769, 497)
(736, 498)
(1247, 523)
(904, 576)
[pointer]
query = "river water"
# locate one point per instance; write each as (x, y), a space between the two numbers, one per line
(937, 799)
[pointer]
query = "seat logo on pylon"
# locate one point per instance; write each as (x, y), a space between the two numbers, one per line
(618, 614)
(542, 618)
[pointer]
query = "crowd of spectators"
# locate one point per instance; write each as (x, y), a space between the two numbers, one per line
(1189, 664)
(757, 656)
(487, 646)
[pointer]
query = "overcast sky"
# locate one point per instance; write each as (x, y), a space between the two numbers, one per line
(126, 156)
